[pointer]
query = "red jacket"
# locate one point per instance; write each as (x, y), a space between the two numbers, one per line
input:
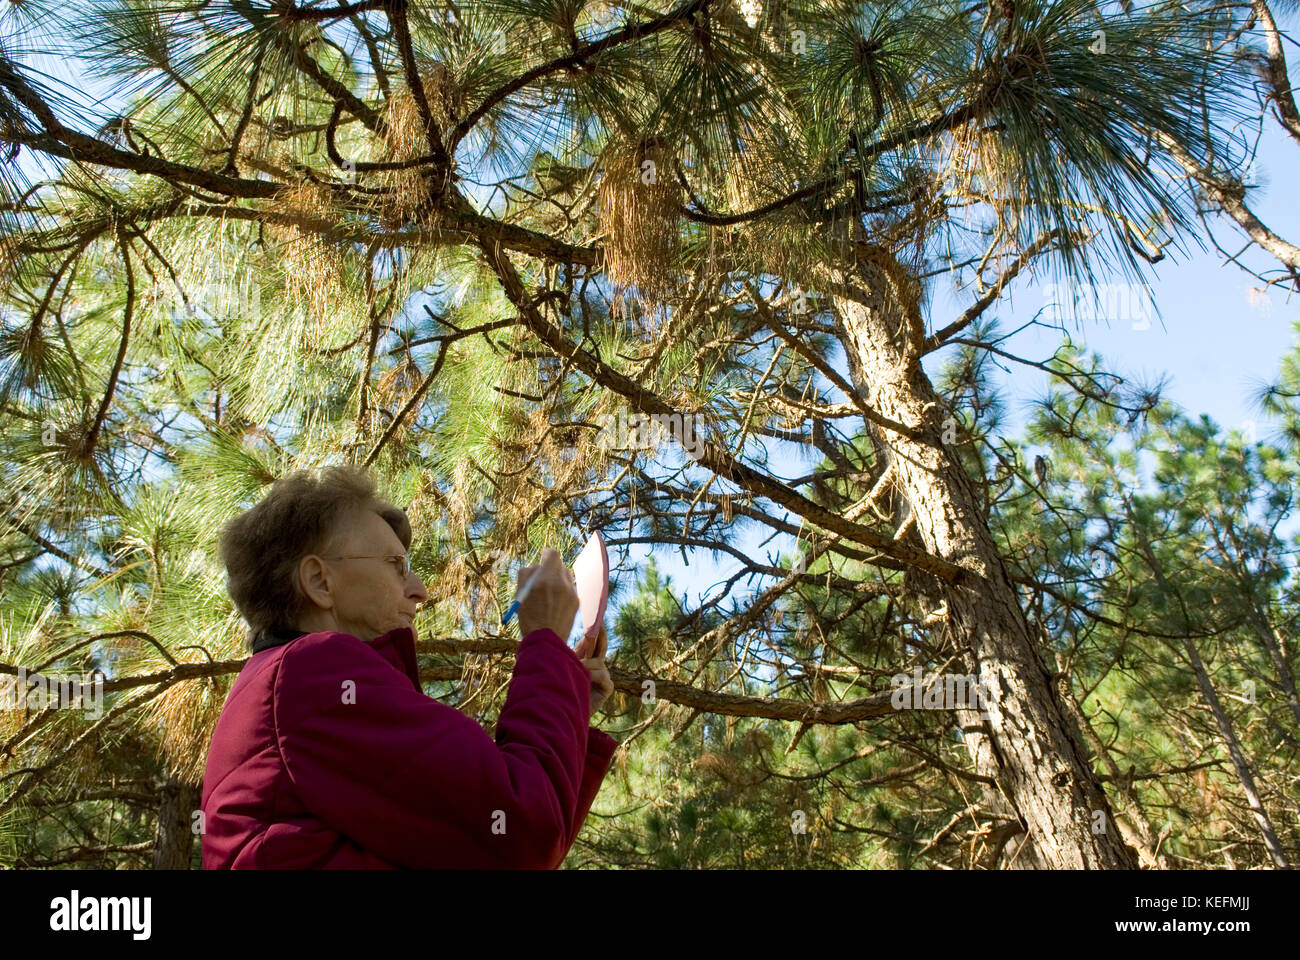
(329, 755)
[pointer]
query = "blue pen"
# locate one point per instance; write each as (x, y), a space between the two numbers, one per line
(514, 604)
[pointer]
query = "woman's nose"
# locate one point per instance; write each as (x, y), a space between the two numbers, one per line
(419, 593)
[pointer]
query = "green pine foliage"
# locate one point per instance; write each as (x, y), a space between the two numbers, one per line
(246, 267)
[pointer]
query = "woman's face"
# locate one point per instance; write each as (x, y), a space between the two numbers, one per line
(352, 587)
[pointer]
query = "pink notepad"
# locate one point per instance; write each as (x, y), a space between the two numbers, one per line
(591, 573)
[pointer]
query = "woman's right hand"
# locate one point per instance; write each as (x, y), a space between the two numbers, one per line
(552, 601)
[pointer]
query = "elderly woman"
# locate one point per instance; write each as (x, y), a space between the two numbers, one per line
(328, 754)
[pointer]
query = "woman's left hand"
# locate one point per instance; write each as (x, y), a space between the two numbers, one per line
(602, 685)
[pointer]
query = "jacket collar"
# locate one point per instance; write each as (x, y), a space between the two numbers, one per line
(396, 646)
(275, 638)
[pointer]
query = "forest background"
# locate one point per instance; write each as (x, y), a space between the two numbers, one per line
(844, 240)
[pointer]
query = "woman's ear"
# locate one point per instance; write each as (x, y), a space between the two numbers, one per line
(313, 578)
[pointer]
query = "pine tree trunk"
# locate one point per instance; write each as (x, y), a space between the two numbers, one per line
(1226, 733)
(1141, 834)
(1244, 775)
(173, 836)
(1027, 746)
(1270, 640)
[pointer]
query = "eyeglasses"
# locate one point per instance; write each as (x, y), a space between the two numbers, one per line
(401, 562)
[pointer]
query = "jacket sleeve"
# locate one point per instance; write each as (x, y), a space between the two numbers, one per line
(600, 750)
(423, 785)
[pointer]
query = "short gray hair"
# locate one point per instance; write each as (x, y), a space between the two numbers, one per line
(262, 546)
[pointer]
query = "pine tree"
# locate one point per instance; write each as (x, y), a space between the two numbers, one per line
(449, 242)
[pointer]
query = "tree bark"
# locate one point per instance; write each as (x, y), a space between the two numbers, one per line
(1027, 745)
(173, 836)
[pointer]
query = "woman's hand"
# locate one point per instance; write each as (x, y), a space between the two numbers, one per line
(592, 655)
(552, 601)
